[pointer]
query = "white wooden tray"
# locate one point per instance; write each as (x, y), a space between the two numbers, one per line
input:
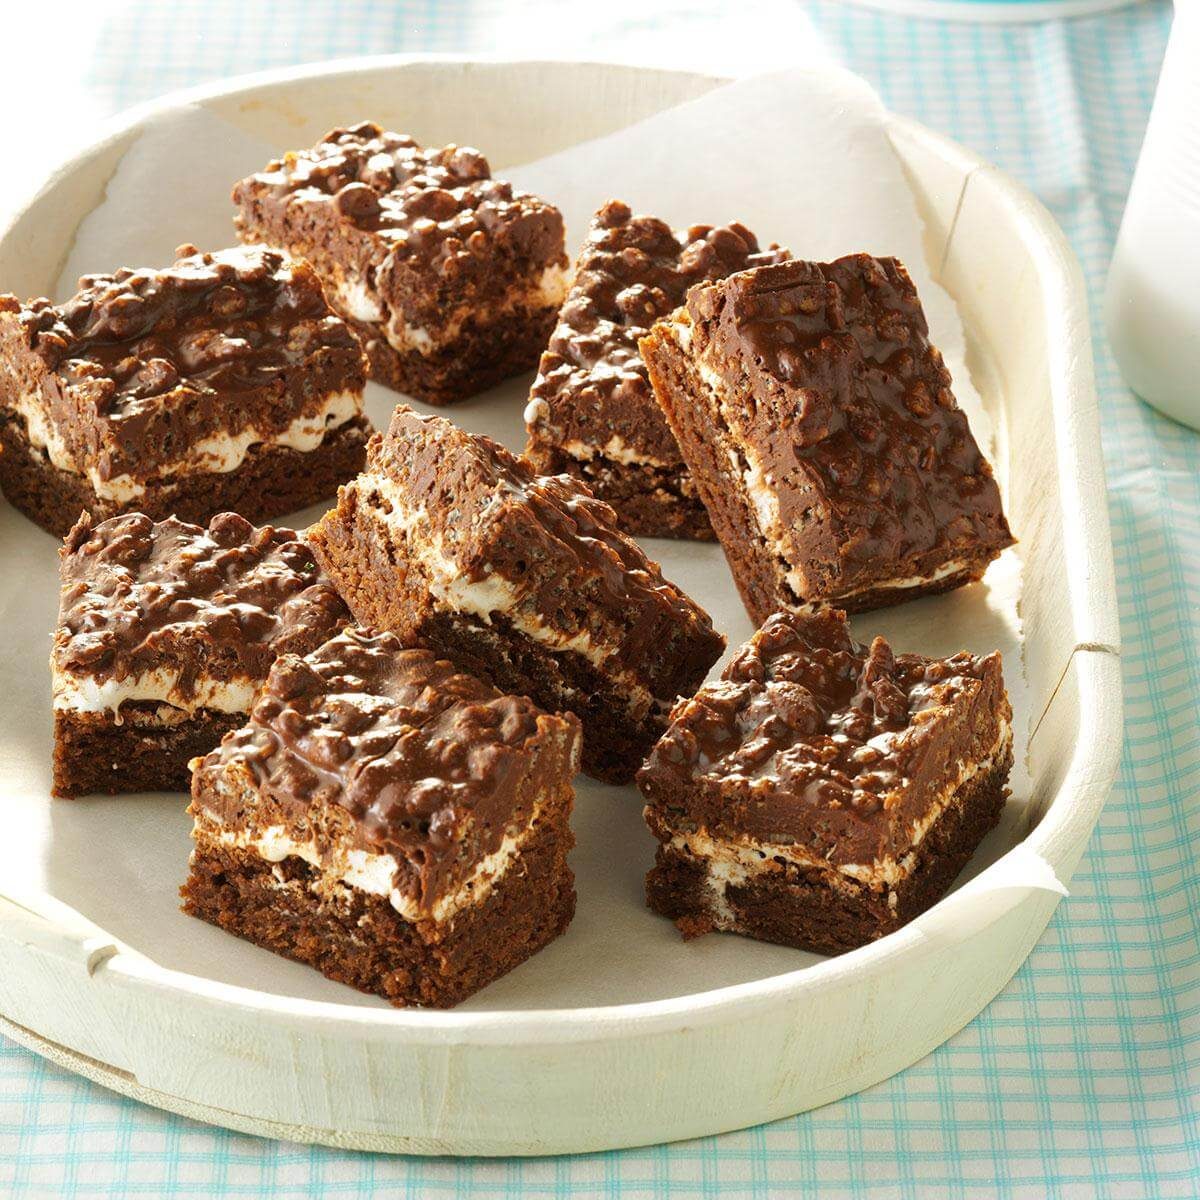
(746, 1033)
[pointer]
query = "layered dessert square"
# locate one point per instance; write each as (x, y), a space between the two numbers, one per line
(524, 580)
(451, 278)
(592, 412)
(820, 428)
(822, 793)
(166, 632)
(399, 826)
(223, 382)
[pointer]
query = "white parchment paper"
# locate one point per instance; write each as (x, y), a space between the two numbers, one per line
(803, 159)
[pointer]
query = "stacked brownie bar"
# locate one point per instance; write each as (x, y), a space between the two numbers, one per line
(823, 793)
(166, 632)
(221, 382)
(819, 426)
(591, 411)
(398, 825)
(524, 580)
(452, 278)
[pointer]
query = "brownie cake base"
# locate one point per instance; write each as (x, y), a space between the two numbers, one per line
(270, 482)
(93, 755)
(755, 568)
(481, 358)
(801, 907)
(359, 939)
(649, 501)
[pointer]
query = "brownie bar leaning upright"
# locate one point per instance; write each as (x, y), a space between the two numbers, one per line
(821, 794)
(524, 580)
(592, 412)
(165, 634)
(820, 428)
(222, 382)
(399, 826)
(452, 278)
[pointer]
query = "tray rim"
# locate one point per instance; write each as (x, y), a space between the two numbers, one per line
(45, 921)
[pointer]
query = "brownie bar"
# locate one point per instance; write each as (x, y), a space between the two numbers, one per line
(451, 278)
(399, 826)
(524, 580)
(222, 382)
(166, 632)
(820, 428)
(592, 412)
(823, 793)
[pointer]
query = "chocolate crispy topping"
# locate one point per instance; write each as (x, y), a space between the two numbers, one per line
(212, 322)
(853, 401)
(437, 206)
(631, 271)
(416, 752)
(558, 548)
(810, 736)
(220, 602)
(144, 364)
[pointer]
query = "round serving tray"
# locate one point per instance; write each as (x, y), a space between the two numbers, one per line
(750, 1033)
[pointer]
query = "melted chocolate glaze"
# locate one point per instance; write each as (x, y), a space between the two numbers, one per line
(221, 602)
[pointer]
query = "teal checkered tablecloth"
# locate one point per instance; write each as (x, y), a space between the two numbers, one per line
(1082, 1078)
